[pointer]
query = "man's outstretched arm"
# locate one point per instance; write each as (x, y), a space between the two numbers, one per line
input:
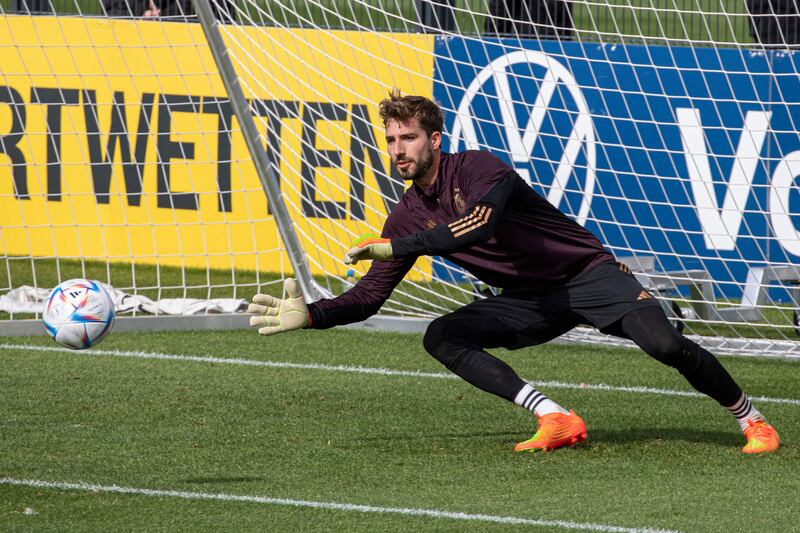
(364, 299)
(274, 315)
(476, 227)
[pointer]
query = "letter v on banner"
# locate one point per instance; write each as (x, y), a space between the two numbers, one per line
(721, 227)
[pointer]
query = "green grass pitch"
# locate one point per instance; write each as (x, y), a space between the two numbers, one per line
(291, 430)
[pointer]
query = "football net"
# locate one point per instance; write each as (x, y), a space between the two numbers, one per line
(668, 128)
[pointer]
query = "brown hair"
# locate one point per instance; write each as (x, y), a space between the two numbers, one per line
(403, 108)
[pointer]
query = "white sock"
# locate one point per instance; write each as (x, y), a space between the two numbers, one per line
(743, 410)
(533, 400)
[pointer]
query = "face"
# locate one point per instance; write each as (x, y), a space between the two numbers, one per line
(412, 150)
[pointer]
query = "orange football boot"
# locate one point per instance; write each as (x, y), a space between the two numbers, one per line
(555, 431)
(761, 437)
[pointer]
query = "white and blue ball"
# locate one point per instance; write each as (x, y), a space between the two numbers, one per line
(79, 313)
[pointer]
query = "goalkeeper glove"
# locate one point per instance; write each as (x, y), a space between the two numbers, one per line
(369, 247)
(275, 315)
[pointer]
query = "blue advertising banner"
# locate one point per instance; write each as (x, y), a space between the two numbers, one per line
(691, 155)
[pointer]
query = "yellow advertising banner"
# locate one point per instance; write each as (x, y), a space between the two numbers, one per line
(117, 141)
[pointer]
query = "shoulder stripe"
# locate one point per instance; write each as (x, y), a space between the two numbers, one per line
(461, 221)
(481, 219)
(464, 219)
(467, 220)
(473, 217)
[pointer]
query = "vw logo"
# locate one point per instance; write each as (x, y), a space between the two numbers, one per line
(521, 144)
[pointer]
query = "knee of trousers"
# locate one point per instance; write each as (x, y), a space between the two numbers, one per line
(672, 351)
(436, 341)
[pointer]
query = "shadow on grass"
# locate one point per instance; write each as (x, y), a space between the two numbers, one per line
(596, 436)
(211, 480)
(658, 435)
(433, 436)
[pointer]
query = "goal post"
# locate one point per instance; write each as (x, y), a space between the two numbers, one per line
(264, 167)
(211, 155)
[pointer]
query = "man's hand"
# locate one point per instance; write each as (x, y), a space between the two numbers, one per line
(154, 10)
(369, 247)
(274, 315)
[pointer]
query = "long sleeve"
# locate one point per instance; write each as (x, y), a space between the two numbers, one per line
(476, 227)
(364, 299)
(368, 295)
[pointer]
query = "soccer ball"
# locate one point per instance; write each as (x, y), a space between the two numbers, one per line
(79, 313)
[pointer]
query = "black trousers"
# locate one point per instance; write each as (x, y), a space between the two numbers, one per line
(530, 18)
(774, 21)
(606, 297)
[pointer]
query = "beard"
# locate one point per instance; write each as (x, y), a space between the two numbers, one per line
(418, 168)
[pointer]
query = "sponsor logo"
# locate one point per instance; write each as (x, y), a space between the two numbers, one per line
(489, 100)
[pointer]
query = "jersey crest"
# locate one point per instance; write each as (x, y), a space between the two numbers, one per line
(458, 201)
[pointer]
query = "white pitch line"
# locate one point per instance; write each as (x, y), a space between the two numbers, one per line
(331, 506)
(371, 370)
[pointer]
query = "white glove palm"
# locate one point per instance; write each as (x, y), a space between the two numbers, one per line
(274, 315)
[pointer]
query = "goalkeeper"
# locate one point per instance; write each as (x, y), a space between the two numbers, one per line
(474, 210)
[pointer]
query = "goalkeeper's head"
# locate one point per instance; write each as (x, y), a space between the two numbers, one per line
(403, 108)
(413, 136)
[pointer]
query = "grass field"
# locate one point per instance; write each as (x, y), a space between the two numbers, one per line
(228, 431)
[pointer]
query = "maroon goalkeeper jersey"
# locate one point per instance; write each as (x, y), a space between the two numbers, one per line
(482, 216)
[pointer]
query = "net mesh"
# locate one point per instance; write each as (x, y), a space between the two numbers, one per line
(668, 128)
